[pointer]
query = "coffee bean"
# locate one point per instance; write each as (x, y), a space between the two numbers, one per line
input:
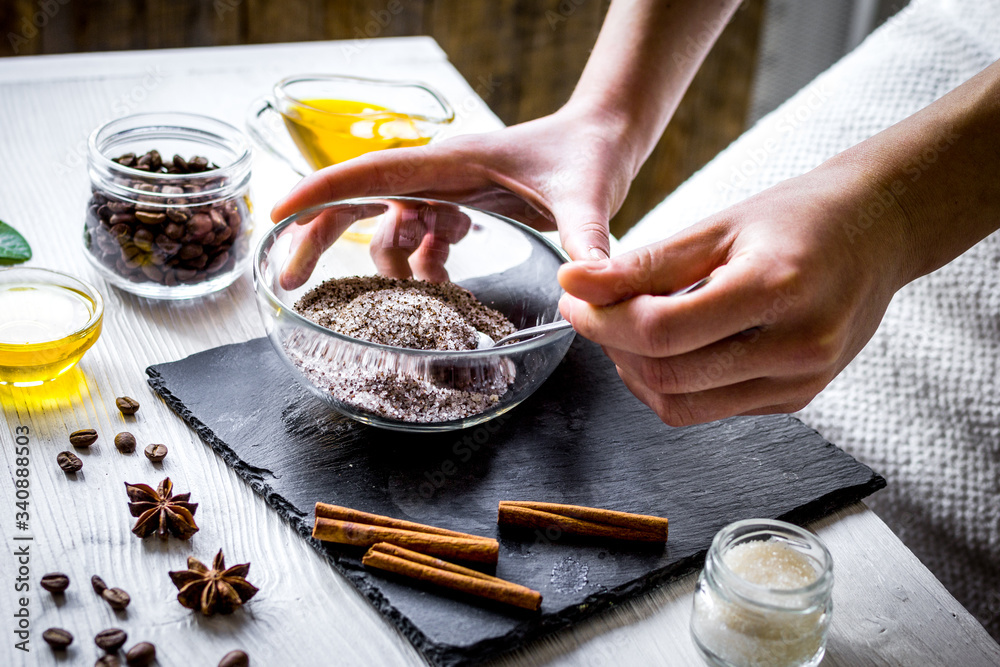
(142, 654)
(125, 442)
(199, 225)
(173, 231)
(178, 214)
(117, 598)
(235, 659)
(218, 220)
(143, 240)
(57, 638)
(190, 251)
(223, 235)
(148, 218)
(111, 639)
(85, 437)
(127, 405)
(153, 273)
(156, 453)
(54, 582)
(122, 219)
(218, 262)
(132, 256)
(108, 660)
(98, 584)
(69, 462)
(198, 163)
(166, 245)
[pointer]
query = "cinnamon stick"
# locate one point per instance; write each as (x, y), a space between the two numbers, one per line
(327, 511)
(472, 548)
(583, 521)
(420, 567)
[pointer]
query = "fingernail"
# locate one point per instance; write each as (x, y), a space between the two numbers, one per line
(598, 254)
(564, 306)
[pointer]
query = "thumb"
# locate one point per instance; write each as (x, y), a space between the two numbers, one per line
(659, 268)
(583, 231)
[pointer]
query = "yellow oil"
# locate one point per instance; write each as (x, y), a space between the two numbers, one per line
(331, 131)
(44, 331)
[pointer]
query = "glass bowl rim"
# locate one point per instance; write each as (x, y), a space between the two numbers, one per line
(87, 288)
(267, 241)
(242, 149)
(448, 116)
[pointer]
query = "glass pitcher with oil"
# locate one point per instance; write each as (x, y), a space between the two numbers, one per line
(316, 120)
(332, 118)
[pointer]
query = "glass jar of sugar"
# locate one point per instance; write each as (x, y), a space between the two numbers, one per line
(764, 597)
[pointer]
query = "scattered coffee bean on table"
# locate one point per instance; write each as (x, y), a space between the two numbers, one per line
(116, 598)
(57, 638)
(111, 639)
(408, 313)
(69, 462)
(98, 584)
(85, 437)
(235, 659)
(156, 453)
(54, 582)
(141, 655)
(127, 405)
(108, 660)
(125, 442)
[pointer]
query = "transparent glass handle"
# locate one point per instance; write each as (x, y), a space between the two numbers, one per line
(266, 127)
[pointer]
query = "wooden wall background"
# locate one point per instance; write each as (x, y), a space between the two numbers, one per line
(533, 49)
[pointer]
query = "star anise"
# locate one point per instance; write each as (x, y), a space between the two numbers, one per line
(217, 590)
(161, 512)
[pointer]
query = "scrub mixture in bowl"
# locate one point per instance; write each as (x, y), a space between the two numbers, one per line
(412, 314)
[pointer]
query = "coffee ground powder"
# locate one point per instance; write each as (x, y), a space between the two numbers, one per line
(403, 313)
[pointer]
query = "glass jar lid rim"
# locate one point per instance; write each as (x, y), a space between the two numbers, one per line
(233, 139)
(746, 588)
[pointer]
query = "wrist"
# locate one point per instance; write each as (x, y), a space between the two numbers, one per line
(612, 126)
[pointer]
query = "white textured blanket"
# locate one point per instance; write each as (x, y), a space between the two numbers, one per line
(921, 403)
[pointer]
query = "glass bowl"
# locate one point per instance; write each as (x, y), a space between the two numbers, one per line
(48, 320)
(506, 265)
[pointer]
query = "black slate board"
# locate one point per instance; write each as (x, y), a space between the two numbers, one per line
(581, 439)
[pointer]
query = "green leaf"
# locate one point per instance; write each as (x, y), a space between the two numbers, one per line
(13, 247)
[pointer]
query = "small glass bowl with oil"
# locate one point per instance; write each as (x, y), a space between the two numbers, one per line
(48, 320)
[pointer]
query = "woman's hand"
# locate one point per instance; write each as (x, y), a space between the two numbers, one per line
(568, 169)
(794, 295)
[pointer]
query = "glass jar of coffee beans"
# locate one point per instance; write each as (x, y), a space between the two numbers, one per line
(169, 212)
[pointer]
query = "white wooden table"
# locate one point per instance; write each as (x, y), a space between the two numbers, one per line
(888, 608)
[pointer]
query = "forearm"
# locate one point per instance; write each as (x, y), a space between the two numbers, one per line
(932, 185)
(645, 58)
